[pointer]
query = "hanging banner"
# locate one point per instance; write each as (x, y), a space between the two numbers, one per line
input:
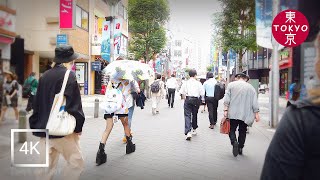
(99, 25)
(264, 20)
(105, 41)
(117, 37)
(67, 14)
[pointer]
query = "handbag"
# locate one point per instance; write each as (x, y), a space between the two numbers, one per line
(60, 122)
(225, 126)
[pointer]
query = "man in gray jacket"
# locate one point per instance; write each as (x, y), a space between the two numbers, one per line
(241, 107)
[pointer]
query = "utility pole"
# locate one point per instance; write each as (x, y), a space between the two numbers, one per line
(228, 68)
(275, 72)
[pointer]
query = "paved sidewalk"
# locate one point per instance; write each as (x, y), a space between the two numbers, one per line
(162, 151)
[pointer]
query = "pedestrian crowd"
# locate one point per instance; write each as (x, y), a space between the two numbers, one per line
(55, 102)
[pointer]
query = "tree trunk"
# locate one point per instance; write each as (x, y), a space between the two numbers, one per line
(240, 62)
(147, 54)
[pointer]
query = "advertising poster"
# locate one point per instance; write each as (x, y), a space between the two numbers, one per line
(264, 20)
(117, 37)
(105, 41)
(80, 72)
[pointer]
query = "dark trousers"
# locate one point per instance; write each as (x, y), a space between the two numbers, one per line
(30, 102)
(191, 108)
(212, 104)
(171, 94)
(242, 132)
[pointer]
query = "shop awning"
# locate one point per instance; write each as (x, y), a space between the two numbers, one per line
(6, 40)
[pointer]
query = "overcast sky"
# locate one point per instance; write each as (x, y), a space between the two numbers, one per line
(194, 18)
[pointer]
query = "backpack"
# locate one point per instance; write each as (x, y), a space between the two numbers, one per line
(219, 91)
(26, 89)
(113, 100)
(155, 87)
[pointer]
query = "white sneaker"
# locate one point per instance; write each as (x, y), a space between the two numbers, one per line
(189, 136)
(194, 132)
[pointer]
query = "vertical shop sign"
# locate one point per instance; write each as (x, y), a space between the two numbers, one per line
(67, 14)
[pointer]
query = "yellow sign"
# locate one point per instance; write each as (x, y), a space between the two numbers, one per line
(100, 22)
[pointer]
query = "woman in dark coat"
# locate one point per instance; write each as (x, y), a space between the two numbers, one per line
(50, 84)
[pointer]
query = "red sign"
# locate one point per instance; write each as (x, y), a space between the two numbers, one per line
(66, 14)
(285, 60)
(118, 26)
(105, 27)
(290, 28)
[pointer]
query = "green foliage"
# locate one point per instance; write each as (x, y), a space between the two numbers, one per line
(146, 20)
(235, 27)
(210, 67)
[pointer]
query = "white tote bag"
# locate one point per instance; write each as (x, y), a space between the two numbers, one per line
(60, 122)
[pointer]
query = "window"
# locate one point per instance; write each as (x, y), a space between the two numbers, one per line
(177, 53)
(82, 18)
(178, 43)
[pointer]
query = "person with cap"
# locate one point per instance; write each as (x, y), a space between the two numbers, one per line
(50, 84)
(10, 97)
(211, 101)
(193, 91)
(241, 108)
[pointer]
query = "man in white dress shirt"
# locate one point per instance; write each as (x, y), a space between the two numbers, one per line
(171, 89)
(193, 90)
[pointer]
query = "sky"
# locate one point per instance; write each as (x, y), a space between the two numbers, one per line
(194, 17)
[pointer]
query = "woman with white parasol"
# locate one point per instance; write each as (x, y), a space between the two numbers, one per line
(117, 100)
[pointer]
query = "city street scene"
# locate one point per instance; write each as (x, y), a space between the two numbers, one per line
(159, 89)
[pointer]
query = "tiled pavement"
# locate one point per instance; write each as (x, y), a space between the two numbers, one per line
(162, 151)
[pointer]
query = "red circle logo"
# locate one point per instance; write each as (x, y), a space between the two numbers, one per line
(290, 28)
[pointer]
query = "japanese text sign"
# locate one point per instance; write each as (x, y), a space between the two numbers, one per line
(290, 28)
(67, 14)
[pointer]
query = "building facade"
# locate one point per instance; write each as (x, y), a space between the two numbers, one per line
(41, 33)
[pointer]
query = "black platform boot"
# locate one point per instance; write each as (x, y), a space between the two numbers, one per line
(101, 155)
(130, 146)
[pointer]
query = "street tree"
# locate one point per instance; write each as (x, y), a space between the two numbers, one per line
(235, 27)
(146, 21)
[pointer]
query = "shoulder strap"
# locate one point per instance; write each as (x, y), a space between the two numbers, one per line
(64, 84)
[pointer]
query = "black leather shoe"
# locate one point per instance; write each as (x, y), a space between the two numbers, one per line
(240, 151)
(101, 155)
(130, 148)
(235, 149)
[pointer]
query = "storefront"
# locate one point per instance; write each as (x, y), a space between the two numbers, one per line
(285, 66)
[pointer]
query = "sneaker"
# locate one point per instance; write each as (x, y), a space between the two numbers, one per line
(194, 132)
(235, 149)
(189, 136)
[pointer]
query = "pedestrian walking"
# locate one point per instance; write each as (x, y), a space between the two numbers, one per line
(204, 104)
(117, 94)
(193, 91)
(211, 101)
(157, 93)
(10, 96)
(50, 84)
(29, 90)
(131, 101)
(241, 108)
(171, 86)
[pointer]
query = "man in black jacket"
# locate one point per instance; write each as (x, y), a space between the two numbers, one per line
(49, 85)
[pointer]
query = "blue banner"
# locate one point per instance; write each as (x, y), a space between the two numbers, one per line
(105, 44)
